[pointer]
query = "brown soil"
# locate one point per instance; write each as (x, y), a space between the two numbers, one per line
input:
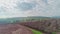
(14, 29)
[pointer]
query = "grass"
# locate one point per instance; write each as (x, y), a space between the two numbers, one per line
(36, 31)
(53, 32)
(39, 32)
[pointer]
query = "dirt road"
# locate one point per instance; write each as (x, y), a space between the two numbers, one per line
(14, 29)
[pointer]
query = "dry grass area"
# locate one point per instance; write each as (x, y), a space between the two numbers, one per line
(47, 26)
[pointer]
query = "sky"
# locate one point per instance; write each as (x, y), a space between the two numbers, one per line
(25, 8)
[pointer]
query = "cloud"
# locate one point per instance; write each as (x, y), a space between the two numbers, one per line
(52, 9)
(24, 8)
(7, 9)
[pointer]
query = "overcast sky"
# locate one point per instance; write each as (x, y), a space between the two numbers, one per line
(24, 8)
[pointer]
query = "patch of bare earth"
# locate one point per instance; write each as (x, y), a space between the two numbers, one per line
(14, 29)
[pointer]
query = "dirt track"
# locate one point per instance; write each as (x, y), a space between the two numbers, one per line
(14, 29)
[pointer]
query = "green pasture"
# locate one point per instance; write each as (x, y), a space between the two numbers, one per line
(39, 32)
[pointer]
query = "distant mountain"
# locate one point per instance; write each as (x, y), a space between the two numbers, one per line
(39, 16)
(56, 17)
(21, 19)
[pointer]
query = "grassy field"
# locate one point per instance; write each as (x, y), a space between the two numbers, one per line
(36, 32)
(39, 32)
